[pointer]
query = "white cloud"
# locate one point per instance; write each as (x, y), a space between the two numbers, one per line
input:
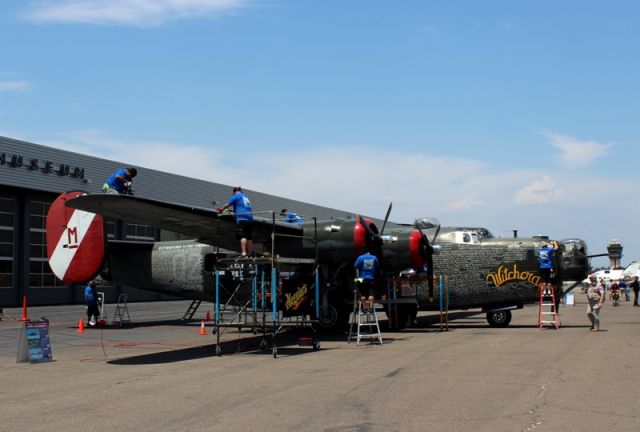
(128, 12)
(576, 153)
(16, 85)
(465, 203)
(539, 191)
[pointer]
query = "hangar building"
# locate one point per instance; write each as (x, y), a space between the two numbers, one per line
(32, 176)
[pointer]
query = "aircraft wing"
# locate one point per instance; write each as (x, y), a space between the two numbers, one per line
(199, 223)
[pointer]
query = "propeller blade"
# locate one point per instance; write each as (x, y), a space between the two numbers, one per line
(386, 218)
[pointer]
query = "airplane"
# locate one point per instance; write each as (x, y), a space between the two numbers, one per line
(494, 274)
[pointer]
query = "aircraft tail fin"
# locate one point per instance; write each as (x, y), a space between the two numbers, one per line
(75, 241)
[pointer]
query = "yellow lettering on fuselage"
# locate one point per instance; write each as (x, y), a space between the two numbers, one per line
(504, 275)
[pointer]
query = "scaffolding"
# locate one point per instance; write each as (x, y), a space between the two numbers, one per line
(268, 295)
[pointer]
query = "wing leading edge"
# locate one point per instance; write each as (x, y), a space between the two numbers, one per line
(200, 223)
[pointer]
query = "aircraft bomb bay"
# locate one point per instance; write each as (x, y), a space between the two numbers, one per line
(161, 375)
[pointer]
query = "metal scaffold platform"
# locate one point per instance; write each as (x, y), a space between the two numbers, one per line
(268, 295)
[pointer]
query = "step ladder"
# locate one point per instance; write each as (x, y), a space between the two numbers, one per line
(121, 315)
(193, 307)
(365, 319)
(547, 312)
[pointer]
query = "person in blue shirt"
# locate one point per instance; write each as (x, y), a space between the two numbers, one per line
(290, 217)
(547, 254)
(120, 181)
(244, 219)
(366, 266)
(91, 300)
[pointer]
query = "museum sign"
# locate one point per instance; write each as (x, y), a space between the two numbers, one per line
(39, 165)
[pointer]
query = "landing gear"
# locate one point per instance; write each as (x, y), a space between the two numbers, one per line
(406, 315)
(499, 318)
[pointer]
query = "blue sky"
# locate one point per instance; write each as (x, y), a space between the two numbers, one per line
(505, 114)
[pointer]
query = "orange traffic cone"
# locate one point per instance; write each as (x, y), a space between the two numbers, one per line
(208, 317)
(80, 327)
(203, 331)
(24, 309)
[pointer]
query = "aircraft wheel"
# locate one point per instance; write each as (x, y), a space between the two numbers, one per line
(333, 318)
(275, 352)
(500, 318)
(263, 345)
(316, 345)
(218, 351)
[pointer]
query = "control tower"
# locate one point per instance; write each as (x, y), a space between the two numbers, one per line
(614, 250)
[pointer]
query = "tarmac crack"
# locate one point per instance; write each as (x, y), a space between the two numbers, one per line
(534, 415)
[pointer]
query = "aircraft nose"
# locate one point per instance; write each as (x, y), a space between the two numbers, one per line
(574, 264)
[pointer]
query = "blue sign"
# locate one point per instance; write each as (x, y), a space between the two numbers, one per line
(34, 345)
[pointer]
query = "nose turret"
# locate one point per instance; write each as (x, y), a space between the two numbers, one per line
(574, 264)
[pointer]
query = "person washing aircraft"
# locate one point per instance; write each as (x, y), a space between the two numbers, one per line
(291, 217)
(244, 219)
(547, 255)
(366, 266)
(120, 182)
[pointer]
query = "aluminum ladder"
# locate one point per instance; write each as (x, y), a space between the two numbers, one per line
(121, 315)
(365, 320)
(547, 311)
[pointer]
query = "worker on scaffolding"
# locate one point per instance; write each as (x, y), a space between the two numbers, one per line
(366, 266)
(244, 219)
(290, 217)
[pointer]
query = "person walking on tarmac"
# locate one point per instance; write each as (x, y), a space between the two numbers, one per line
(244, 219)
(366, 266)
(91, 300)
(635, 286)
(595, 296)
(120, 182)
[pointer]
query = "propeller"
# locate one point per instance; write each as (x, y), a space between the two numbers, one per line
(386, 218)
(373, 240)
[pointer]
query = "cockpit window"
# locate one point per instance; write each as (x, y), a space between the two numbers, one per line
(484, 234)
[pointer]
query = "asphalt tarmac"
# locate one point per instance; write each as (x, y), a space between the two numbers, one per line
(161, 375)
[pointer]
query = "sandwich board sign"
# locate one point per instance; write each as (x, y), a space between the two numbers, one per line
(34, 345)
